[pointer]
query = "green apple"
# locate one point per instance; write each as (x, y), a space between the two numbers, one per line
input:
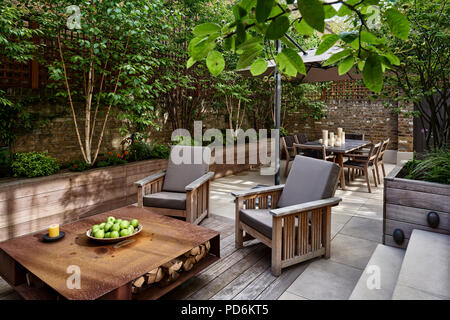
(111, 219)
(102, 225)
(108, 226)
(115, 227)
(118, 221)
(124, 232)
(95, 227)
(108, 235)
(134, 223)
(130, 229)
(114, 234)
(124, 224)
(99, 234)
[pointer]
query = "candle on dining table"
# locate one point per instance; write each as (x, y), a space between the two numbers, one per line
(339, 133)
(332, 141)
(337, 142)
(331, 135)
(53, 231)
(343, 137)
(325, 137)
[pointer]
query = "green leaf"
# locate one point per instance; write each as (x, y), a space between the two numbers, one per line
(249, 43)
(337, 56)
(303, 28)
(393, 59)
(263, 9)
(277, 28)
(290, 62)
(248, 56)
(206, 29)
(397, 22)
(190, 62)
(312, 11)
(215, 63)
(348, 37)
(328, 40)
(200, 47)
(368, 37)
(346, 65)
(373, 73)
(258, 67)
(330, 12)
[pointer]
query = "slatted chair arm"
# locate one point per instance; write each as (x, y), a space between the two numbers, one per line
(257, 191)
(307, 206)
(150, 179)
(200, 181)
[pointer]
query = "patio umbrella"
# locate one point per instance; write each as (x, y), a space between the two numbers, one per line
(315, 72)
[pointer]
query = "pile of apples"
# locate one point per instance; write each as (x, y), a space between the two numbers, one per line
(114, 228)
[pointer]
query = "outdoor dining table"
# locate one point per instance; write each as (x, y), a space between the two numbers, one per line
(349, 146)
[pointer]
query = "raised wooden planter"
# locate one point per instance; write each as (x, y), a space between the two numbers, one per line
(407, 204)
(29, 205)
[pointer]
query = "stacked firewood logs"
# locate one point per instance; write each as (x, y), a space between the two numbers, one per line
(170, 271)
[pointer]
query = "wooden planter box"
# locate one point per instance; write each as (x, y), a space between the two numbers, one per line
(407, 204)
(30, 205)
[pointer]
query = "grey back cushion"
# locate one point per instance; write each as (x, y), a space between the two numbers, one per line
(309, 180)
(186, 164)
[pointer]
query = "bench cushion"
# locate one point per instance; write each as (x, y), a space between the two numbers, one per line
(164, 199)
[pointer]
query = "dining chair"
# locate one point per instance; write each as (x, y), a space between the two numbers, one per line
(287, 143)
(183, 189)
(300, 138)
(364, 162)
(294, 219)
(314, 151)
(380, 158)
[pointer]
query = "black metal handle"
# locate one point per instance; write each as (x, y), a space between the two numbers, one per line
(398, 236)
(433, 219)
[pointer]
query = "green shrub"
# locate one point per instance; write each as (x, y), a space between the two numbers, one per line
(101, 164)
(79, 165)
(434, 167)
(115, 159)
(160, 151)
(34, 164)
(5, 163)
(139, 151)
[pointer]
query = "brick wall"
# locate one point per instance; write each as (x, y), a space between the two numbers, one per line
(354, 116)
(369, 117)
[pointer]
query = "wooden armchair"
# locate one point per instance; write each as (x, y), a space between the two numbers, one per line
(180, 191)
(293, 219)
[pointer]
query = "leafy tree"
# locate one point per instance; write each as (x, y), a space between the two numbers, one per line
(234, 94)
(106, 61)
(16, 45)
(256, 22)
(423, 76)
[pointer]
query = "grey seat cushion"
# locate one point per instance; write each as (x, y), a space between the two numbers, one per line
(168, 200)
(186, 164)
(309, 180)
(260, 220)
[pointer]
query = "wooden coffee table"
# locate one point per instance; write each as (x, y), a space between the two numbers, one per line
(107, 270)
